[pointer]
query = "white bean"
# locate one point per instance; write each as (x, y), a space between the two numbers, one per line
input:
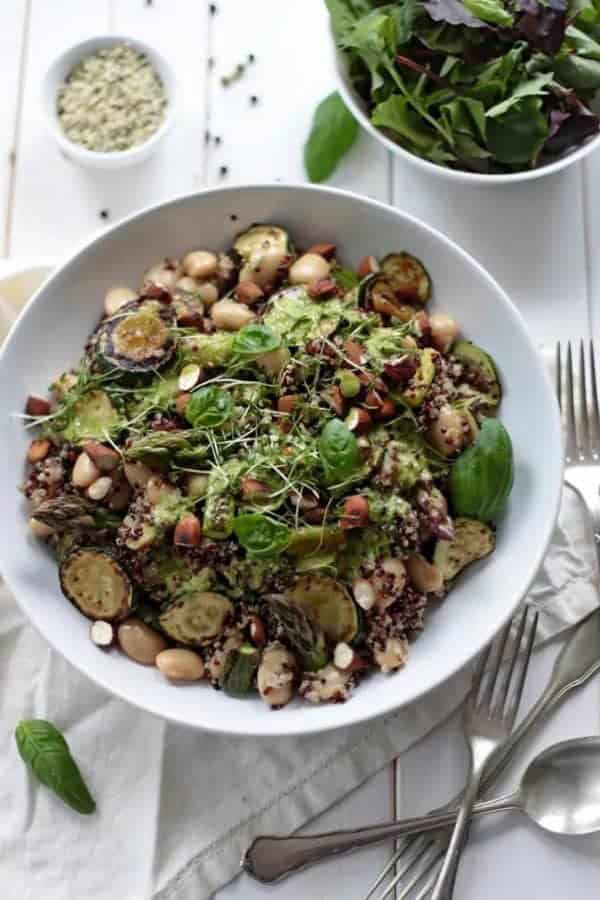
(275, 677)
(99, 489)
(262, 268)
(160, 275)
(200, 263)
(231, 316)
(84, 471)
(137, 474)
(40, 529)
(424, 575)
(117, 297)
(447, 434)
(444, 330)
(180, 665)
(307, 268)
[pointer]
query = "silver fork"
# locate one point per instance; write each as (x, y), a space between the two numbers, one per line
(581, 424)
(489, 715)
(577, 391)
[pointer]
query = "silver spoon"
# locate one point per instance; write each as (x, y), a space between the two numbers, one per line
(560, 792)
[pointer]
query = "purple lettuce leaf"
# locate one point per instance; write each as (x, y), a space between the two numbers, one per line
(569, 129)
(543, 25)
(453, 12)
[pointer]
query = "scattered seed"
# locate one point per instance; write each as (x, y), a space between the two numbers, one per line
(104, 214)
(233, 217)
(253, 100)
(207, 137)
(217, 140)
(212, 9)
(251, 58)
(237, 73)
(223, 171)
(211, 62)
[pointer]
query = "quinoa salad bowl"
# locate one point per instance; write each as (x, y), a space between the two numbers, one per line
(287, 459)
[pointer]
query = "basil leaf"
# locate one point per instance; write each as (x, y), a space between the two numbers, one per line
(209, 407)
(254, 340)
(338, 450)
(44, 749)
(534, 87)
(261, 537)
(334, 130)
(518, 135)
(491, 11)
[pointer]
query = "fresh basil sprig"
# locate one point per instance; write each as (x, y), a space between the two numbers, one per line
(209, 407)
(338, 450)
(333, 132)
(254, 340)
(47, 753)
(260, 536)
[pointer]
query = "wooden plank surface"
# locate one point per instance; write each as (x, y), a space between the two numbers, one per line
(14, 20)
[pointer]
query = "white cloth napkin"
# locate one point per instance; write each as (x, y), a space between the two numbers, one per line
(176, 808)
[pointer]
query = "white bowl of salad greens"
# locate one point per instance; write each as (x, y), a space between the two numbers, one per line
(479, 91)
(274, 478)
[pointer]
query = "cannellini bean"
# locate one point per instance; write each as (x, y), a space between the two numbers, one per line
(231, 316)
(160, 275)
(447, 434)
(100, 488)
(200, 263)
(262, 269)
(274, 362)
(364, 593)
(393, 655)
(40, 529)
(140, 642)
(388, 580)
(84, 471)
(276, 674)
(307, 268)
(157, 489)
(424, 575)
(180, 665)
(444, 330)
(117, 297)
(187, 284)
(207, 292)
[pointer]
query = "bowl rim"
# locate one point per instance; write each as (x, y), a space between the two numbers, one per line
(79, 49)
(456, 175)
(467, 654)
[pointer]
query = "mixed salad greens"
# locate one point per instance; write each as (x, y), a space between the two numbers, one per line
(491, 86)
(266, 466)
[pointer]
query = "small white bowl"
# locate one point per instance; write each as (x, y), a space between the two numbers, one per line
(55, 78)
(357, 107)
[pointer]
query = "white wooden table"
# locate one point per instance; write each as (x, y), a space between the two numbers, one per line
(536, 238)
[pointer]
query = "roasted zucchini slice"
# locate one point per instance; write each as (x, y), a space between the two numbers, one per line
(196, 618)
(241, 666)
(407, 277)
(479, 370)
(328, 604)
(376, 292)
(421, 380)
(472, 541)
(96, 584)
(139, 337)
(260, 238)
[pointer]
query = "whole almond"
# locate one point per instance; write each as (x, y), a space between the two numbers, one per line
(188, 531)
(251, 487)
(387, 410)
(367, 266)
(248, 292)
(288, 403)
(181, 401)
(38, 450)
(37, 406)
(324, 249)
(355, 352)
(356, 512)
(321, 287)
(104, 457)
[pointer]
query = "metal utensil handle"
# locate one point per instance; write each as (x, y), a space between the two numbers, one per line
(270, 858)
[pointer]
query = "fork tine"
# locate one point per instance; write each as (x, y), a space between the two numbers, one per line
(480, 669)
(430, 853)
(428, 886)
(569, 406)
(394, 858)
(499, 646)
(514, 701)
(583, 429)
(594, 422)
(502, 683)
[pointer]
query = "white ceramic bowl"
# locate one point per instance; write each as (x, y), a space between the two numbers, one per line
(48, 338)
(357, 106)
(54, 79)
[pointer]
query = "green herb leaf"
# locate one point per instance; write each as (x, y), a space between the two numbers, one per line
(491, 11)
(346, 279)
(209, 407)
(579, 73)
(518, 135)
(338, 450)
(254, 340)
(260, 536)
(396, 113)
(535, 87)
(45, 750)
(334, 130)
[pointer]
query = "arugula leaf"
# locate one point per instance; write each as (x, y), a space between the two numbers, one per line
(491, 11)
(374, 39)
(517, 136)
(535, 87)
(453, 12)
(334, 130)
(44, 749)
